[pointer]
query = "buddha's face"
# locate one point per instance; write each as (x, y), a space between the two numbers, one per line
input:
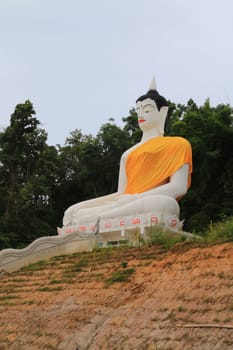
(148, 114)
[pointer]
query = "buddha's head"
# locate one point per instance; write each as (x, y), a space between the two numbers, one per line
(152, 110)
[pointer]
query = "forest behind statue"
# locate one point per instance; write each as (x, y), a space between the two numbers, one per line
(38, 182)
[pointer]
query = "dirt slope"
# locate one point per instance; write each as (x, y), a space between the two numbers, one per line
(75, 302)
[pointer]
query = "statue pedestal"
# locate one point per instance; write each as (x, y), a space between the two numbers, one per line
(121, 231)
(122, 224)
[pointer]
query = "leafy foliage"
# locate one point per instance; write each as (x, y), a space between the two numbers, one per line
(210, 132)
(24, 193)
(38, 182)
(120, 276)
(166, 239)
(221, 231)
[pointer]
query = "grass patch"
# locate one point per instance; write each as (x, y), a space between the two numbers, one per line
(65, 280)
(40, 265)
(170, 316)
(8, 297)
(95, 276)
(77, 267)
(221, 275)
(124, 264)
(68, 274)
(120, 276)
(30, 302)
(181, 309)
(164, 238)
(60, 257)
(221, 231)
(208, 300)
(19, 280)
(49, 347)
(57, 281)
(49, 289)
(207, 274)
(61, 281)
(8, 289)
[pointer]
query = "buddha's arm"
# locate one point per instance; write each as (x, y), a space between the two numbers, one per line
(100, 202)
(107, 199)
(110, 197)
(122, 182)
(176, 187)
(122, 176)
(96, 202)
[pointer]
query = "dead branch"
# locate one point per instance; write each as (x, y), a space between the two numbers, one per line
(205, 325)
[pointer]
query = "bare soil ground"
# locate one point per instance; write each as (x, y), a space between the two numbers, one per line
(131, 298)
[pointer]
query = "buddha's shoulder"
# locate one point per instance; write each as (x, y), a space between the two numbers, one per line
(176, 140)
(128, 151)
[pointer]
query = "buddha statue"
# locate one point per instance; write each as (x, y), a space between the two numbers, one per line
(153, 174)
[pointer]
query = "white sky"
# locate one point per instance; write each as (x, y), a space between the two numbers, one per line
(81, 62)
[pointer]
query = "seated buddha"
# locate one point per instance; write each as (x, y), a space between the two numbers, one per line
(153, 174)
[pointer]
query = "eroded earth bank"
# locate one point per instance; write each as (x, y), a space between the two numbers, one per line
(134, 298)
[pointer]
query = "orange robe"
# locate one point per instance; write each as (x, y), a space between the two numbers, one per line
(154, 162)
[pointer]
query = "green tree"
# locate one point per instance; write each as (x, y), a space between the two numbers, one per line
(131, 127)
(22, 144)
(79, 159)
(90, 165)
(210, 132)
(38, 182)
(114, 141)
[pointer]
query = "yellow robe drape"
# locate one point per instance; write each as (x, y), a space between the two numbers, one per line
(155, 161)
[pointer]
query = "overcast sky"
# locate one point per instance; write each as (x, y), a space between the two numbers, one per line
(81, 62)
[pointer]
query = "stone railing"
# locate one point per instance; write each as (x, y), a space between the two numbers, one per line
(45, 248)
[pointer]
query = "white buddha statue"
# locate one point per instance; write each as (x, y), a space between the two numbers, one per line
(153, 174)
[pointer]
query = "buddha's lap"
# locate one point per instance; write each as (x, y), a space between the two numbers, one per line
(150, 203)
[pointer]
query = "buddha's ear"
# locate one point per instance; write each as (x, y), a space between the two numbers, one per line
(164, 110)
(163, 115)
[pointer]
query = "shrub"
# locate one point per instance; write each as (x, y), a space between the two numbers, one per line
(221, 231)
(120, 276)
(164, 238)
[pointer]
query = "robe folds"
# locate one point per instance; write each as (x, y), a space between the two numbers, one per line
(155, 161)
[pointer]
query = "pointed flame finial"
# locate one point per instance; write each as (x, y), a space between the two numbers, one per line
(153, 84)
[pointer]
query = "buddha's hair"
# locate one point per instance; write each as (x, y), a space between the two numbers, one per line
(155, 96)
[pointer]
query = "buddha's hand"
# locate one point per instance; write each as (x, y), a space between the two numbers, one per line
(127, 198)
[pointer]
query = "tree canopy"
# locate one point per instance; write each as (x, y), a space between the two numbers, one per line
(38, 182)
